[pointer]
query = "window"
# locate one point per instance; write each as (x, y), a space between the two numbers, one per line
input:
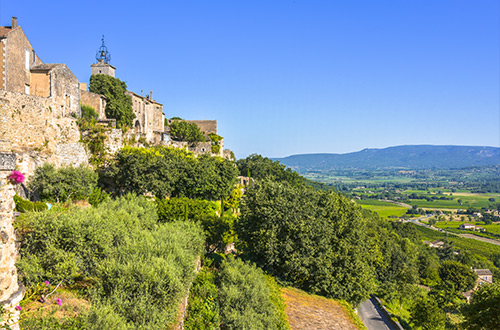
(26, 89)
(27, 59)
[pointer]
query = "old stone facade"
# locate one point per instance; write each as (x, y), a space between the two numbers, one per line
(96, 101)
(149, 119)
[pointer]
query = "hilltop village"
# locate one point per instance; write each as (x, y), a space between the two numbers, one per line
(41, 103)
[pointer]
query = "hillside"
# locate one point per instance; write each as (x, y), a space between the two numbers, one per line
(404, 157)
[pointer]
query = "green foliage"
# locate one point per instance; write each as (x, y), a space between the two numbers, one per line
(141, 268)
(119, 104)
(262, 168)
(316, 240)
(88, 113)
(427, 314)
(63, 184)
(93, 138)
(484, 310)
(219, 232)
(97, 196)
(181, 130)
(180, 208)
(23, 205)
(461, 276)
(233, 201)
(172, 172)
(203, 308)
(215, 139)
(245, 299)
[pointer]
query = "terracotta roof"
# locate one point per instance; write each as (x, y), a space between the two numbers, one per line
(483, 272)
(4, 30)
(44, 67)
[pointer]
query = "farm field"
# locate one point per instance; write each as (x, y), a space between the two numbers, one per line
(487, 250)
(493, 228)
(384, 209)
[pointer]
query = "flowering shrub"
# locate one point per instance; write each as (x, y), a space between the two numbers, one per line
(16, 177)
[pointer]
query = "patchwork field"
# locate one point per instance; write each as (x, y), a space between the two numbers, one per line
(384, 209)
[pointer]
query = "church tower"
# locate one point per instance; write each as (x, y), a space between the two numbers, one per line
(102, 66)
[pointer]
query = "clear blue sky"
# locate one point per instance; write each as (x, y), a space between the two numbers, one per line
(286, 77)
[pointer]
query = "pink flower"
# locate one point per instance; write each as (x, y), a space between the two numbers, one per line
(16, 177)
(18, 307)
(59, 301)
(47, 283)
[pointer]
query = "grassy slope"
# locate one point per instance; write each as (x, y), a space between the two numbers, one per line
(384, 209)
(307, 311)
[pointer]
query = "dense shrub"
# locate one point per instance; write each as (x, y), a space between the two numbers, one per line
(313, 239)
(181, 130)
(262, 168)
(246, 300)
(183, 208)
(141, 268)
(203, 308)
(23, 205)
(166, 172)
(63, 184)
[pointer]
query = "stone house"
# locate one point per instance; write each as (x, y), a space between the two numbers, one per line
(484, 276)
(38, 103)
(149, 119)
(24, 72)
(467, 226)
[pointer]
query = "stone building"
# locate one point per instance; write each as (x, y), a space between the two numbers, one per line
(38, 103)
(149, 117)
(24, 72)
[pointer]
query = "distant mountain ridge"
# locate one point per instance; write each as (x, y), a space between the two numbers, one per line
(398, 157)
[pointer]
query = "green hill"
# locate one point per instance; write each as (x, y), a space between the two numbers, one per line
(399, 157)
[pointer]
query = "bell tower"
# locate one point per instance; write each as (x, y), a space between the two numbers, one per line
(102, 66)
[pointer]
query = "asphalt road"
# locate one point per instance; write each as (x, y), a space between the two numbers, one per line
(372, 316)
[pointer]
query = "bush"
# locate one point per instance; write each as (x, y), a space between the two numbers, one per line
(183, 208)
(172, 172)
(141, 268)
(246, 300)
(23, 205)
(203, 308)
(63, 184)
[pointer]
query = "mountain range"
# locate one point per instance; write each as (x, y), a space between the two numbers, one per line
(398, 157)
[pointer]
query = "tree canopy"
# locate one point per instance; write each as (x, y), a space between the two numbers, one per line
(313, 239)
(484, 310)
(181, 130)
(119, 104)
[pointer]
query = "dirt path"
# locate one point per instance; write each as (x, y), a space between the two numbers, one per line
(309, 312)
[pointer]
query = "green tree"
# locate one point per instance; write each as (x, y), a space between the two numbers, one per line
(314, 239)
(119, 104)
(461, 276)
(427, 314)
(181, 130)
(62, 184)
(483, 313)
(262, 168)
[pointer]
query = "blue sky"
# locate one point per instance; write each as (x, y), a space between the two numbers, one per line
(289, 77)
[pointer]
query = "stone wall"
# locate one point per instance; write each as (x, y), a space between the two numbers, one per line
(114, 140)
(35, 129)
(207, 126)
(11, 293)
(96, 101)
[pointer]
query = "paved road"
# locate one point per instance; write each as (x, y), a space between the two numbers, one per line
(372, 316)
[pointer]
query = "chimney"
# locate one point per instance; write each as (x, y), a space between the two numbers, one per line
(14, 22)
(151, 95)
